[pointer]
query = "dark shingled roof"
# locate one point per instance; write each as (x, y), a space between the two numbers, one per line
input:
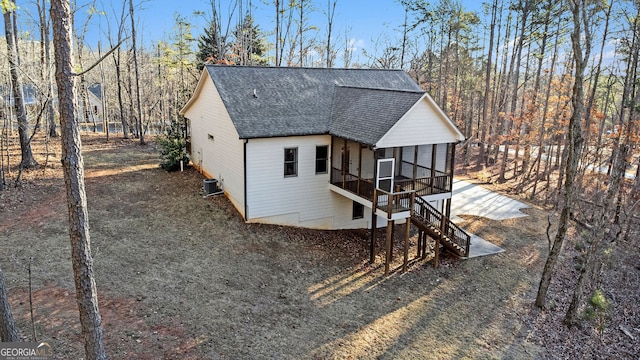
(299, 101)
(96, 90)
(365, 115)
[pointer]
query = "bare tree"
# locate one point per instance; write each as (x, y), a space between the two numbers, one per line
(137, 75)
(73, 167)
(331, 11)
(46, 70)
(575, 140)
(16, 80)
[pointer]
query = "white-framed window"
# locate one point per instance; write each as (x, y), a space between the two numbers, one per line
(322, 159)
(290, 162)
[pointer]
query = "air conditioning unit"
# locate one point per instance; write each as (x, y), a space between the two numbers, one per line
(210, 186)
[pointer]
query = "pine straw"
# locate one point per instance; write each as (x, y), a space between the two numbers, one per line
(181, 276)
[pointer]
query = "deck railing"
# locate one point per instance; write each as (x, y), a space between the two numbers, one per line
(422, 186)
(352, 183)
(426, 185)
(393, 202)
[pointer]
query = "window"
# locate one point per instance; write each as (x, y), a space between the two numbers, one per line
(358, 211)
(290, 162)
(322, 155)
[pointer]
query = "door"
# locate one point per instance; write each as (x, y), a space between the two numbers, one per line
(384, 180)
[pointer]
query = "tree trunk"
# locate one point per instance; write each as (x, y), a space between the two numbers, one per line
(135, 65)
(46, 69)
(8, 331)
(575, 143)
(73, 166)
(16, 80)
(487, 87)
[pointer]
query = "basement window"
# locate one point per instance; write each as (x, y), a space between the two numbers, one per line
(290, 162)
(358, 211)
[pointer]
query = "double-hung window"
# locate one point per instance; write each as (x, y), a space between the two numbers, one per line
(322, 157)
(290, 162)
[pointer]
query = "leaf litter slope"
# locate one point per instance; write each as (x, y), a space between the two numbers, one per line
(184, 276)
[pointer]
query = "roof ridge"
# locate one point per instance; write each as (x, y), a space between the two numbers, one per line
(382, 89)
(298, 67)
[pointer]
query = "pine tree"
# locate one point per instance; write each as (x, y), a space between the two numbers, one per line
(211, 46)
(249, 47)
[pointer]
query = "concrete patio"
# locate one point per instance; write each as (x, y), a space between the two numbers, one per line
(471, 199)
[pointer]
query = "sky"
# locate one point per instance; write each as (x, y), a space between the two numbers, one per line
(366, 23)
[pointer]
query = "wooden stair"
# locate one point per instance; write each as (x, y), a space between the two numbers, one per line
(438, 226)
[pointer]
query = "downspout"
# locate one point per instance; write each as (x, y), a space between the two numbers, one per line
(244, 161)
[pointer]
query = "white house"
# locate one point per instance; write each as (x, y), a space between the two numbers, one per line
(324, 148)
(94, 94)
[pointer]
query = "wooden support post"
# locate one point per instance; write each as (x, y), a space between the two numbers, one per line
(389, 247)
(345, 163)
(374, 228)
(407, 232)
(393, 238)
(419, 243)
(438, 238)
(434, 154)
(424, 245)
(415, 166)
(359, 169)
(437, 253)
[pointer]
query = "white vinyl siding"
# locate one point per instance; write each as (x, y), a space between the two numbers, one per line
(422, 124)
(215, 146)
(304, 200)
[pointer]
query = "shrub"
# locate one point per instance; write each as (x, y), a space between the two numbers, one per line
(173, 148)
(596, 309)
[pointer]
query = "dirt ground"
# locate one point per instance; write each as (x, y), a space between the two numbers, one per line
(182, 276)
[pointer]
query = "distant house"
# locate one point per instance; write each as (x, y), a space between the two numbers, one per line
(94, 94)
(324, 148)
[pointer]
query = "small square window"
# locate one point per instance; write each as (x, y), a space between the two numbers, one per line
(358, 211)
(290, 162)
(322, 157)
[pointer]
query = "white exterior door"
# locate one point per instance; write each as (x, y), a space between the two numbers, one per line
(384, 179)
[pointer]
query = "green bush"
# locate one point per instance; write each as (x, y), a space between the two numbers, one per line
(173, 149)
(597, 308)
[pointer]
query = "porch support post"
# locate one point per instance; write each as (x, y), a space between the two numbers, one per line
(345, 163)
(374, 207)
(424, 245)
(415, 166)
(407, 232)
(395, 154)
(388, 258)
(374, 227)
(451, 166)
(359, 168)
(434, 154)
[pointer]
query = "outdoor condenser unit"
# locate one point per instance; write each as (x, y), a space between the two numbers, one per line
(210, 186)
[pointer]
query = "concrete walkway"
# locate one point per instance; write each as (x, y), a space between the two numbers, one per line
(470, 199)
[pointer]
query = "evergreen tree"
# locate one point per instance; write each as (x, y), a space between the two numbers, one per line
(249, 47)
(211, 46)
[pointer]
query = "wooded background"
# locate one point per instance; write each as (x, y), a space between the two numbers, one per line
(545, 91)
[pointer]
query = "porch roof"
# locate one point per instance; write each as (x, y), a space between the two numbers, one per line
(365, 115)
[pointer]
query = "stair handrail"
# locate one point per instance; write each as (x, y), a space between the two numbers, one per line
(453, 231)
